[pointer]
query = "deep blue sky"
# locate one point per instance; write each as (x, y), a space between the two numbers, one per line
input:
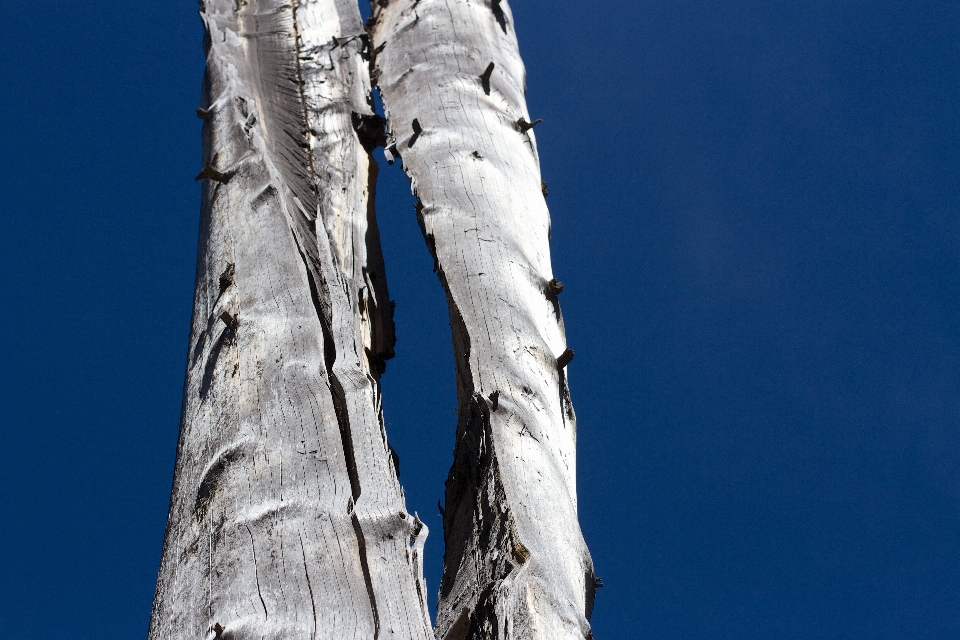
(755, 214)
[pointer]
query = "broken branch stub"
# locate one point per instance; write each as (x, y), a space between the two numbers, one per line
(485, 78)
(209, 173)
(525, 126)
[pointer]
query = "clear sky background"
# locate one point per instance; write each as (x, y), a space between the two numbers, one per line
(755, 214)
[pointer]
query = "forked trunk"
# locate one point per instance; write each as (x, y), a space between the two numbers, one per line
(287, 519)
(452, 82)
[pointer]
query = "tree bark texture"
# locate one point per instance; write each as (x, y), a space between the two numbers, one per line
(287, 519)
(452, 83)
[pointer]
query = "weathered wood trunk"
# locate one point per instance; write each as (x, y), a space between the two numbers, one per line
(452, 82)
(286, 518)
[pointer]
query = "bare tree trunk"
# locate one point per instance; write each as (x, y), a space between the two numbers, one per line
(286, 518)
(452, 82)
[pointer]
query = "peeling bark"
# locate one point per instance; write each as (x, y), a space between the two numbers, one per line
(286, 516)
(452, 82)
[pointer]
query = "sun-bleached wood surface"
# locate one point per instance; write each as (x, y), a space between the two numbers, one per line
(287, 519)
(452, 83)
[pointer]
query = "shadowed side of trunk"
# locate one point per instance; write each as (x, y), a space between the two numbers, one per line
(452, 83)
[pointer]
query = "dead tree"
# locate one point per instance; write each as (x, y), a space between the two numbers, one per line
(452, 82)
(287, 519)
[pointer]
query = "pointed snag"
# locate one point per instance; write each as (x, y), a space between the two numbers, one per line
(564, 358)
(210, 173)
(554, 288)
(202, 113)
(440, 509)
(543, 188)
(525, 126)
(485, 78)
(494, 400)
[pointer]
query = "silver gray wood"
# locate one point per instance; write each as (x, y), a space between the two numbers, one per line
(515, 564)
(286, 517)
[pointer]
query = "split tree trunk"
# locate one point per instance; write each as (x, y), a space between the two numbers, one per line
(452, 82)
(286, 518)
